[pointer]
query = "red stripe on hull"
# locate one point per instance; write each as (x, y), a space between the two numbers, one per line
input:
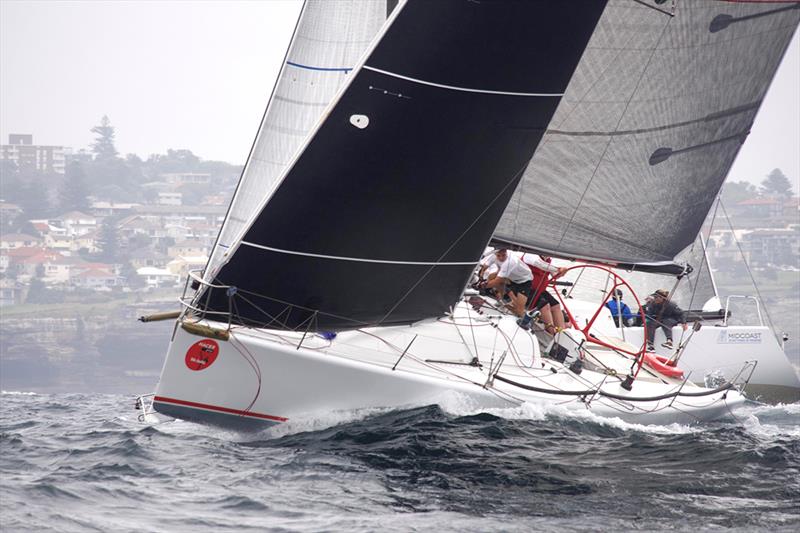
(218, 408)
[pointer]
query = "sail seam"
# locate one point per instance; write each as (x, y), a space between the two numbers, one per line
(456, 88)
(360, 259)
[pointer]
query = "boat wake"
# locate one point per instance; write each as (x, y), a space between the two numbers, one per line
(760, 420)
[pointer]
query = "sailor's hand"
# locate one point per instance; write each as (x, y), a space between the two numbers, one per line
(684, 326)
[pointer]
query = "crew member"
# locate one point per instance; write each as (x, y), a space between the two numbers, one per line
(513, 276)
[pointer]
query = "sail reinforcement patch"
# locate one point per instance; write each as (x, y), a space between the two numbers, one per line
(359, 121)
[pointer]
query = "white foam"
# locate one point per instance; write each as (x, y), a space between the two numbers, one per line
(18, 393)
(319, 421)
(759, 421)
(457, 404)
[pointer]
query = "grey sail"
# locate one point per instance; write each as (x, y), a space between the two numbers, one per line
(329, 39)
(648, 128)
(693, 291)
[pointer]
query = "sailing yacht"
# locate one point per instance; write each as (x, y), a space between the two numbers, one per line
(401, 138)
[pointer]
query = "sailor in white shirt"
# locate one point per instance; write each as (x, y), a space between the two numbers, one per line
(548, 306)
(513, 275)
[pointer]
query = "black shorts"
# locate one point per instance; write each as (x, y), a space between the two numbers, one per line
(520, 288)
(545, 299)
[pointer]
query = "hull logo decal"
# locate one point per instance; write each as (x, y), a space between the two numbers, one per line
(202, 354)
(739, 337)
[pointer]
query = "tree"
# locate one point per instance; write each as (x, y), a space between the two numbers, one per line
(108, 240)
(777, 184)
(37, 291)
(32, 198)
(8, 172)
(74, 191)
(134, 280)
(103, 146)
(735, 191)
(173, 161)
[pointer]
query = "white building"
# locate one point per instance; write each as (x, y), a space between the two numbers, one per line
(184, 178)
(95, 279)
(76, 223)
(183, 264)
(158, 277)
(21, 151)
(170, 198)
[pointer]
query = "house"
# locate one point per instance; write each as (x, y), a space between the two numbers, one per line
(9, 212)
(182, 214)
(76, 223)
(18, 240)
(177, 232)
(186, 178)
(96, 278)
(60, 269)
(11, 292)
(201, 231)
(108, 209)
(791, 208)
(182, 265)
(169, 198)
(136, 226)
(766, 207)
(215, 199)
(148, 257)
(88, 241)
(774, 246)
(59, 243)
(187, 248)
(158, 277)
(114, 268)
(26, 261)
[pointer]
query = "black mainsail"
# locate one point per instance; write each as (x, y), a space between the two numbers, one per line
(383, 215)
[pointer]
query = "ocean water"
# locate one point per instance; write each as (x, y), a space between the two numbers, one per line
(82, 462)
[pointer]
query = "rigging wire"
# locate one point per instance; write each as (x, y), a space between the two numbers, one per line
(747, 266)
(703, 264)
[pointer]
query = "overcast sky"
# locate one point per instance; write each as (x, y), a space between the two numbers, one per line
(196, 75)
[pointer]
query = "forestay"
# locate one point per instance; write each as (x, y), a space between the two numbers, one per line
(383, 214)
(648, 128)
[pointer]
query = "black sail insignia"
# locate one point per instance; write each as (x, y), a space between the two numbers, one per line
(382, 217)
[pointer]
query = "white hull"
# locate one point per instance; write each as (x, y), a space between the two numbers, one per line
(261, 376)
(714, 353)
(718, 352)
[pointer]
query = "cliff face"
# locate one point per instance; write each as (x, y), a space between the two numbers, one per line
(108, 352)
